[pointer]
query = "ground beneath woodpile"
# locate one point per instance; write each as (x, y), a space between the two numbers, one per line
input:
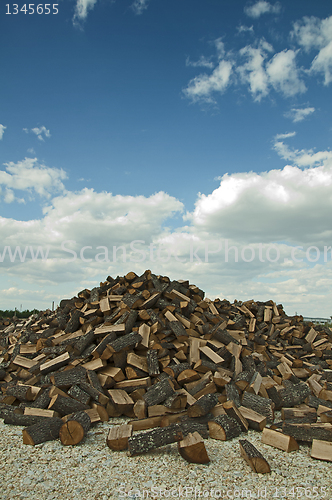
(91, 471)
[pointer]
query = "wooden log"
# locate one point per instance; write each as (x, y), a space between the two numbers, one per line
(224, 428)
(253, 457)
(121, 402)
(81, 343)
(322, 450)
(79, 394)
(255, 420)
(261, 405)
(152, 362)
(234, 412)
(192, 449)
(65, 406)
(232, 394)
(203, 405)
(20, 419)
(118, 436)
(40, 412)
(55, 364)
(308, 414)
(96, 395)
(159, 392)
(68, 378)
(308, 432)
(46, 430)
(143, 443)
(294, 394)
(279, 440)
(21, 392)
(75, 428)
(128, 340)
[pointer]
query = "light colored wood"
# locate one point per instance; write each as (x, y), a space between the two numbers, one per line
(138, 382)
(192, 449)
(24, 362)
(114, 372)
(211, 355)
(146, 423)
(28, 348)
(118, 435)
(39, 412)
(137, 361)
(59, 359)
(234, 349)
(254, 419)
(110, 328)
(95, 364)
(279, 440)
(144, 331)
(322, 450)
(104, 305)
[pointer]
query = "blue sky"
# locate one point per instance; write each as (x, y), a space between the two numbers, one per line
(178, 124)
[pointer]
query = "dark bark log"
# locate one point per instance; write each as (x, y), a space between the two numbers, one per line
(224, 428)
(96, 395)
(78, 346)
(294, 394)
(275, 396)
(74, 322)
(79, 394)
(314, 402)
(224, 337)
(46, 430)
(69, 377)
(20, 419)
(308, 432)
(253, 457)
(178, 329)
(94, 381)
(65, 406)
(131, 320)
(203, 405)
(98, 351)
(159, 392)
(153, 364)
(143, 443)
(75, 429)
(232, 394)
(128, 340)
(261, 405)
(175, 370)
(42, 401)
(21, 392)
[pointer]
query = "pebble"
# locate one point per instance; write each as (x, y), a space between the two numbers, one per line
(91, 471)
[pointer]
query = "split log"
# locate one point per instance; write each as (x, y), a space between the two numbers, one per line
(153, 364)
(159, 392)
(322, 450)
(279, 440)
(192, 449)
(118, 436)
(253, 457)
(294, 394)
(234, 412)
(65, 406)
(255, 420)
(79, 394)
(69, 377)
(203, 405)
(308, 432)
(224, 428)
(261, 405)
(232, 394)
(75, 429)
(46, 430)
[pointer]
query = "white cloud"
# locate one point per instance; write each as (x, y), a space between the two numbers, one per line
(81, 9)
(299, 114)
(284, 74)
(2, 130)
(220, 47)
(203, 86)
(139, 6)
(202, 62)
(313, 33)
(245, 29)
(301, 157)
(253, 71)
(262, 7)
(40, 131)
(28, 175)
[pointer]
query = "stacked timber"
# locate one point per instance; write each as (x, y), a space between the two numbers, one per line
(180, 366)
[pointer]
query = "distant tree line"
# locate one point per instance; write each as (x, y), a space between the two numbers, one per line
(19, 314)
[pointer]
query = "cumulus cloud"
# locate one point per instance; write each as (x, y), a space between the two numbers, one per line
(203, 87)
(2, 130)
(299, 114)
(253, 71)
(314, 33)
(300, 157)
(262, 7)
(40, 132)
(245, 29)
(139, 6)
(81, 10)
(30, 176)
(284, 74)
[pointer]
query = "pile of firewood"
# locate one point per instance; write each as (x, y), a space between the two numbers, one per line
(179, 365)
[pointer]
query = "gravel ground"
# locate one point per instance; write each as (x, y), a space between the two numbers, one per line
(91, 471)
